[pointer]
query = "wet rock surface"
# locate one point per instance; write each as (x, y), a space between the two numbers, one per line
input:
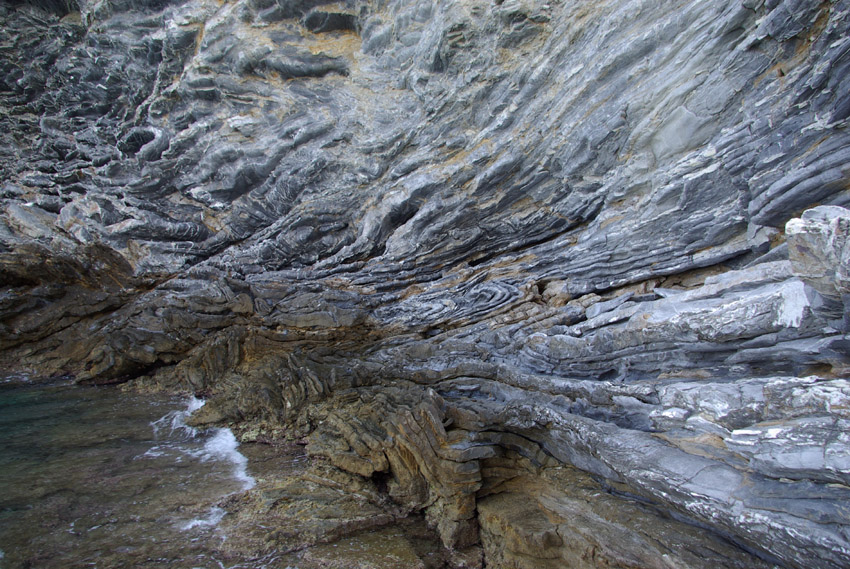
(458, 249)
(305, 513)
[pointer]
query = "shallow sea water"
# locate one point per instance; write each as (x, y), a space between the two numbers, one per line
(97, 477)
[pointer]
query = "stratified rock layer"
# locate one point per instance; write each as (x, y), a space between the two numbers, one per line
(519, 265)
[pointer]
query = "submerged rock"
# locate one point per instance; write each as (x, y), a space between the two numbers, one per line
(459, 249)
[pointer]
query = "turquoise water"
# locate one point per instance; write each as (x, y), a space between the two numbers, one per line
(96, 477)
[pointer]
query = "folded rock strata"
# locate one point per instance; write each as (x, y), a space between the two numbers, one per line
(571, 278)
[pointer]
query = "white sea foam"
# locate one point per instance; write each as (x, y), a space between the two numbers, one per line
(211, 520)
(15, 378)
(194, 405)
(215, 445)
(153, 452)
(224, 446)
(175, 421)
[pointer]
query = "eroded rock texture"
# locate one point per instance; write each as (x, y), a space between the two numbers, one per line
(550, 272)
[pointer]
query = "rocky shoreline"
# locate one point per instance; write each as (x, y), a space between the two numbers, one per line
(567, 282)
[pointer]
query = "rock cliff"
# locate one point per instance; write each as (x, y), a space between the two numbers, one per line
(572, 278)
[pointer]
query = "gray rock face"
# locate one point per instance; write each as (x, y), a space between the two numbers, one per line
(820, 249)
(521, 234)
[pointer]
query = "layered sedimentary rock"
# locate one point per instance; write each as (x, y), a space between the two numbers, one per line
(531, 268)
